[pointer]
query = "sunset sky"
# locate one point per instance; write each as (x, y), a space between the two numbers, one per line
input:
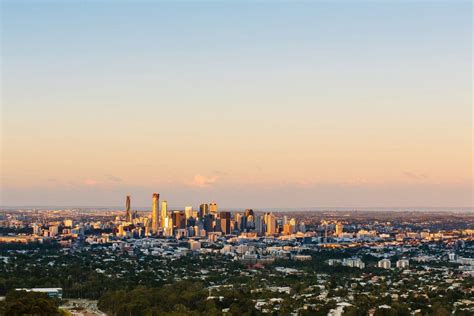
(258, 105)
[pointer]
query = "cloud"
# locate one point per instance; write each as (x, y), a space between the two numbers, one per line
(90, 182)
(113, 178)
(415, 176)
(221, 173)
(52, 180)
(203, 181)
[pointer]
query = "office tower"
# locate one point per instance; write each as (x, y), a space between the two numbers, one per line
(287, 229)
(168, 228)
(249, 212)
(285, 220)
(243, 224)
(179, 219)
(208, 223)
(249, 222)
(121, 232)
(36, 229)
(164, 212)
(302, 227)
(146, 224)
(270, 224)
(190, 221)
(154, 213)
(203, 210)
(238, 219)
(213, 208)
(188, 212)
(168, 222)
(128, 215)
(53, 230)
(339, 228)
(225, 222)
(259, 224)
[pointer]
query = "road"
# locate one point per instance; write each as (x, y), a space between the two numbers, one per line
(82, 307)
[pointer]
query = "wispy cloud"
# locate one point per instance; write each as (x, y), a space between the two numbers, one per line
(90, 182)
(415, 176)
(203, 181)
(113, 178)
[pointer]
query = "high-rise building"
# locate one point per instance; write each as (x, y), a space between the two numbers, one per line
(259, 224)
(339, 229)
(288, 229)
(384, 264)
(225, 219)
(237, 222)
(154, 213)
(53, 230)
(403, 263)
(36, 229)
(203, 210)
(164, 212)
(179, 219)
(128, 214)
(213, 207)
(270, 224)
(188, 211)
(208, 223)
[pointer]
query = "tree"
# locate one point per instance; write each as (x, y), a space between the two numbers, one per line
(28, 303)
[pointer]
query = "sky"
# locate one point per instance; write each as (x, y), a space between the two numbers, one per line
(249, 104)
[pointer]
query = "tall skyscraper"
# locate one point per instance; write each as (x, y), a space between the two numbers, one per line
(203, 210)
(270, 224)
(208, 223)
(225, 222)
(128, 213)
(259, 223)
(164, 212)
(179, 219)
(154, 213)
(188, 210)
(339, 229)
(213, 207)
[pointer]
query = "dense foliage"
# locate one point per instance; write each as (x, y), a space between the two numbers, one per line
(181, 298)
(28, 303)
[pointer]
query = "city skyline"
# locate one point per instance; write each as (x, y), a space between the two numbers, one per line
(267, 106)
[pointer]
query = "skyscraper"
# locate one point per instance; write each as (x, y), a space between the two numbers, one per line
(213, 207)
(203, 210)
(164, 212)
(154, 213)
(128, 213)
(188, 210)
(225, 222)
(179, 219)
(270, 224)
(339, 229)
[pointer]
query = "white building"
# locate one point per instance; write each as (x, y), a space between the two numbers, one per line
(403, 263)
(51, 292)
(353, 263)
(384, 264)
